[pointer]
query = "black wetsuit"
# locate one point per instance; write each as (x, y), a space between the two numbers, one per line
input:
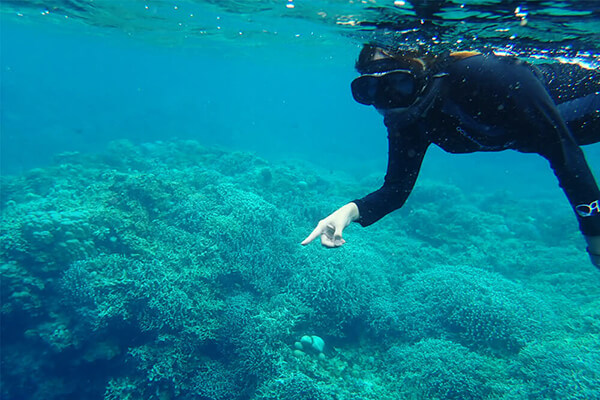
(489, 103)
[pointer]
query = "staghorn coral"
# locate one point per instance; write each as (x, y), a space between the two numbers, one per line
(181, 277)
(296, 386)
(561, 369)
(441, 369)
(480, 309)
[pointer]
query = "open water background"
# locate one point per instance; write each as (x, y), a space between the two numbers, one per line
(162, 160)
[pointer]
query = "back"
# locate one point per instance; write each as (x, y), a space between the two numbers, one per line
(566, 82)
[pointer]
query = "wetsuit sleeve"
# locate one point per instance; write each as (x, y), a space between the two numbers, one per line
(405, 155)
(571, 168)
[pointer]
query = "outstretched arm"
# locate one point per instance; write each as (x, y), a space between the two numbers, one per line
(575, 178)
(405, 156)
(406, 152)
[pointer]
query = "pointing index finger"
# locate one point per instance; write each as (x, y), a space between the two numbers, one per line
(316, 232)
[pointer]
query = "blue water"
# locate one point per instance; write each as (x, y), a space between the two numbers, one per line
(161, 162)
(77, 91)
(86, 90)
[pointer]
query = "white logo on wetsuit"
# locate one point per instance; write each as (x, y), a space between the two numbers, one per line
(588, 210)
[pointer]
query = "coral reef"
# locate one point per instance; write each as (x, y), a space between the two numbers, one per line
(475, 307)
(173, 271)
(441, 369)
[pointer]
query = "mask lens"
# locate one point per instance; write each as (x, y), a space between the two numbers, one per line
(390, 90)
(400, 83)
(364, 89)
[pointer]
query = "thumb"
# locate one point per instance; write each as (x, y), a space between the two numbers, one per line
(337, 235)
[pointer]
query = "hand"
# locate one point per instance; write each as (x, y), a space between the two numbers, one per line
(330, 229)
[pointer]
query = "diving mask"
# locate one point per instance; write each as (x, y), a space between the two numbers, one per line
(385, 90)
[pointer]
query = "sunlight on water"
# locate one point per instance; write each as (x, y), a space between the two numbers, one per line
(525, 28)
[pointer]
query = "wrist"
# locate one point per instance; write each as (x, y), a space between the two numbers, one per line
(593, 244)
(353, 213)
(593, 249)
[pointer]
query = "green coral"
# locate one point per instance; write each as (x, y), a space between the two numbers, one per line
(296, 386)
(174, 271)
(480, 309)
(441, 369)
(561, 369)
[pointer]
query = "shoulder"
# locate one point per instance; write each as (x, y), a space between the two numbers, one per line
(469, 60)
(490, 70)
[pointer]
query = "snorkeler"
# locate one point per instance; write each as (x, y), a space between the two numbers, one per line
(466, 102)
